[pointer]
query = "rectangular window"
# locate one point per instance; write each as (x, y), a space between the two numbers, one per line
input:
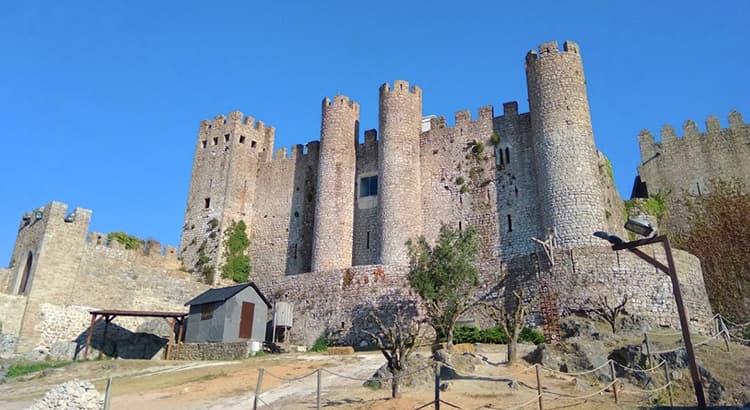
(368, 240)
(242, 139)
(204, 143)
(207, 203)
(226, 137)
(253, 144)
(368, 186)
(207, 310)
(216, 140)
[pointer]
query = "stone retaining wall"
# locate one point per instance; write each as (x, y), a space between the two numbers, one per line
(212, 351)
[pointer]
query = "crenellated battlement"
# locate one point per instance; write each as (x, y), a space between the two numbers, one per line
(232, 120)
(690, 130)
(510, 109)
(551, 48)
(151, 248)
(400, 86)
(296, 152)
(463, 119)
(340, 101)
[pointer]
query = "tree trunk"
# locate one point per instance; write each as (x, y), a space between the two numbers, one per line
(512, 350)
(396, 385)
(449, 339)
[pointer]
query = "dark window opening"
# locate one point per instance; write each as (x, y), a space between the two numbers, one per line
(242, 139)
(516, 190)
(500, 157)
(24, 289)
(207, 203)
(253, 144)
(507, 155)
(295, 251)
(510, 224)
(460, 228)
(216, 140)
(204, 143)
(368, 186)
(226, 137)
(698, 186)
(207, 310)
(367, 243)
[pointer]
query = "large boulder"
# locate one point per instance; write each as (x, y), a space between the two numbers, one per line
(419, 372)
(63, 350)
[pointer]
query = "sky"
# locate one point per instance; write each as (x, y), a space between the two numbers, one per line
(100, 101)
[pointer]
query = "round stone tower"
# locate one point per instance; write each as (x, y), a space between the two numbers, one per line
(571, 199)
(334, 204)
(399, 170)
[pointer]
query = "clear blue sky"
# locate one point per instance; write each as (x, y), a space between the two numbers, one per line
(100, 101)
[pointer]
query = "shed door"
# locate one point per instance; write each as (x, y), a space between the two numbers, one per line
(246, 320)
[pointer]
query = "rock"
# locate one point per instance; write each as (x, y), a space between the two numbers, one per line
(62, 350)
(588, 355)
(580, 385)
(7, 346)
(676, 375)
(579, 327)
(71, 395)
(36, 355)
(545, 355)
(419, 372)
(156, 327)
(635, 324)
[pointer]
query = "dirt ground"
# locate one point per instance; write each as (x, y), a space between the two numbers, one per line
(161, 385)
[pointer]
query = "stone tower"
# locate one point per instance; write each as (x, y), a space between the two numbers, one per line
(570, 196)
(334, 204)
(222, 187)
(399, 169)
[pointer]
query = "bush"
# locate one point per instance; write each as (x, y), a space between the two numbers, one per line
(466, 334)
(127, 240)
(320, 345)
(531, 335)
(494, 335)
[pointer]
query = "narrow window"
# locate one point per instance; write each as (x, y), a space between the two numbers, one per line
(242, 139)
(204, 143)
(295, 251)
(367, 244)
(253, 144)
(698, 185)
(460, 228)
(507, 155)
(226, 137)
(207, 203)
(516, 190)
(24, 289)
(500, 157)
(510, 224)
(368, 186)
(216, 140)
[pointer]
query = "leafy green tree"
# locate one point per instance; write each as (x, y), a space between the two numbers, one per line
(237, 262)
(445, 277)
(717, 232)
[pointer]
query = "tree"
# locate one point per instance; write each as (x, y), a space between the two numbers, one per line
(445, 277)
(717, 233)
(511, 323)
(600, 306)
(397, 340)
(237, 262)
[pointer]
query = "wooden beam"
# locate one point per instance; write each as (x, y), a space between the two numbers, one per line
(107, 319)
(179, 336)
(171, 335)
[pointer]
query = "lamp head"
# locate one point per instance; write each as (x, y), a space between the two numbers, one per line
(613, 239)
(639, 227)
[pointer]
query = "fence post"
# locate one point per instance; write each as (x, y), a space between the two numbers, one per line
(320, 383)
(614, 380)
(437, 385)
(725, 331)
(648, 350)
(668, 378)
(257, 388)
(539, 386)
(107, 393)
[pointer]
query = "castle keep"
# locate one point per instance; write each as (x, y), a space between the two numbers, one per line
(338, 203)
(328, 221)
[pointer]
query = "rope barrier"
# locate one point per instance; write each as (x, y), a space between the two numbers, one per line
(264, 402)
(649, 370)
(289, 380)
(564, 396)
(733, 324)
(506, 376)
(520, 406)
(647, 390)
(576, 374)
(413, 372)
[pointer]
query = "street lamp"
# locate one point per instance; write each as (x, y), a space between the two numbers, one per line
(646, 229)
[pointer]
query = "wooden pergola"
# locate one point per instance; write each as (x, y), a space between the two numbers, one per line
(178, 320)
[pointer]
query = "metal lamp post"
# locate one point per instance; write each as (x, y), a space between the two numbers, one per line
(646, 229)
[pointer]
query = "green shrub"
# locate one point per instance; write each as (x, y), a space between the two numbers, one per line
(460, 180)
(495, 335)
(495, 138)
(237, 265)
(127, 240)
(466, 334)
(531, 335)
(320, 345)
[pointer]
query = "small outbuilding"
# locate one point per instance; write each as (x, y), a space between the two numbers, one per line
(232, 314)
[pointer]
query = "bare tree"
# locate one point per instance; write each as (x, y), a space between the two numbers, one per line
(511, 322)
(601, 307)
(396, 340)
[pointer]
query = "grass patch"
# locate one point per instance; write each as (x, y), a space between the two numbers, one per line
(22, 369)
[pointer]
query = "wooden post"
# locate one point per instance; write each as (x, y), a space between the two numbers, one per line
(539, 386)
(437, 385)
(257, 388)
(668, 378)
(725, 331)
(648, 351)
(88, 337)
(614, 380)
(320, 382)
(171, 336)
(179, 336)
(104, 336)
(107, 393)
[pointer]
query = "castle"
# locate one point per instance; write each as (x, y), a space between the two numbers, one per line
(328, 221)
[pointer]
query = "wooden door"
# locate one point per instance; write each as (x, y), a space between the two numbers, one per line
(246, 320)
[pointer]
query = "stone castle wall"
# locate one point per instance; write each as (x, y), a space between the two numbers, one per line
(687, 165)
